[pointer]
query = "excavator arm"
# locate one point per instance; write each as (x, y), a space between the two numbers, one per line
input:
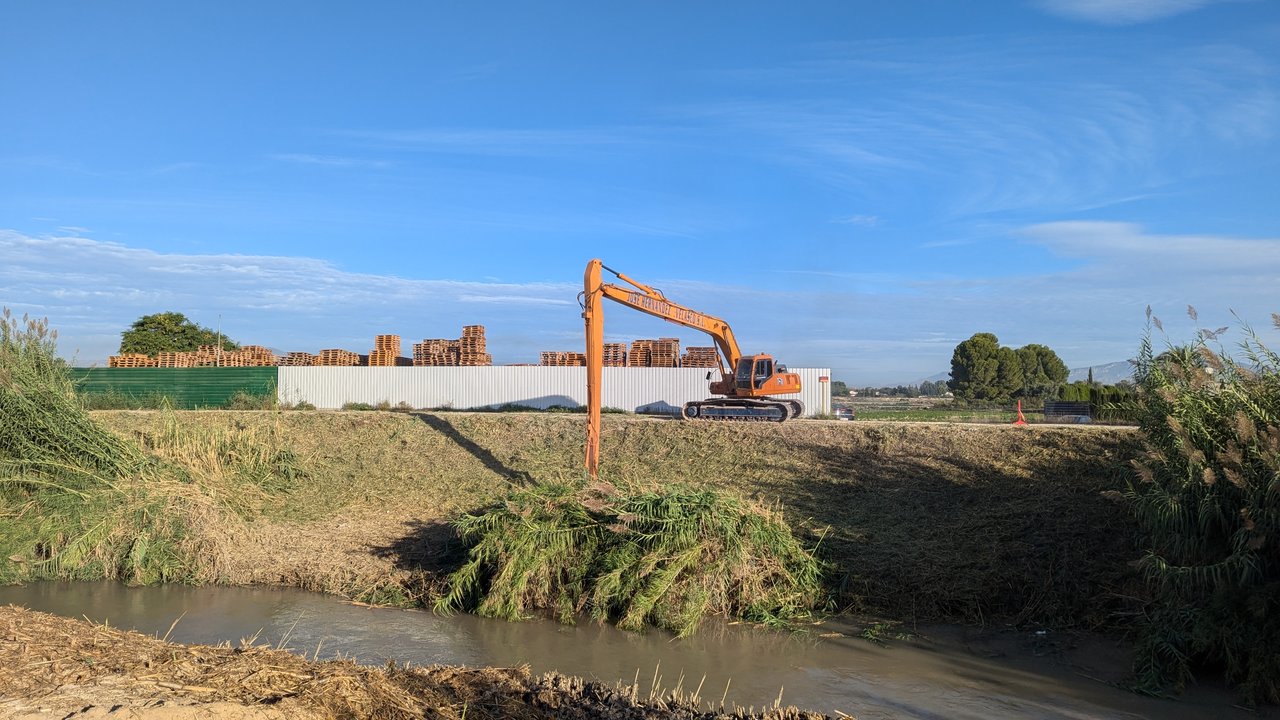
(650, 300)
(747, 401)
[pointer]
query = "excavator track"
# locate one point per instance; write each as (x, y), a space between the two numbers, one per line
(742, 410)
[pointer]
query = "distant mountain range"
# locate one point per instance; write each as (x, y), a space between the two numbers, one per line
(1107, 374)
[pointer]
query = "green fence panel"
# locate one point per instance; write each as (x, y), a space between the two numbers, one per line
(188, 388)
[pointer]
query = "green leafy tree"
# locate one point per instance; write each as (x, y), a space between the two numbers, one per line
(839, 388)
(169, 332)
(1043, 372)
(975, 366)
(1009, 379)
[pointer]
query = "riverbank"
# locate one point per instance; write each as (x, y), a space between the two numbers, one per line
(59, 667)
(917, 522)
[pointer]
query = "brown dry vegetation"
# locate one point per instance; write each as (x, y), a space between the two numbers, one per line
(917, 521)
(59, 667)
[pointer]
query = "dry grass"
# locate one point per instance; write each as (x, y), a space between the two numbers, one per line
(926, 522)
(42, 655)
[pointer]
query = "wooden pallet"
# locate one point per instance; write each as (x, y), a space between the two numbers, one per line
(130, 360)
(700, 357)
(298, 359)
(174, 359)
(335, 357)
(387, 343)
(559, 358)
(383, 358)
(615, 355)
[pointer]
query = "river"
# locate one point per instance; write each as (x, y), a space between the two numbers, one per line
(941, 672)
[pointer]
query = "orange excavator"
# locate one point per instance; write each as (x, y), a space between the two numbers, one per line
(745, 384)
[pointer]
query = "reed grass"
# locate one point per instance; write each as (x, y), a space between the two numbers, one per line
(1207, 496)
(77, 501)
(665, 557)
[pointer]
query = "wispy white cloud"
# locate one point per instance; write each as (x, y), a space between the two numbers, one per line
(1122, 12)
(985, 127)
(859, 220)
(870, 327)
(92, 290)
(494, 141)
(329, 160)
(1127, 248)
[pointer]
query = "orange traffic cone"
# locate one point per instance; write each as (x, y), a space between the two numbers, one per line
(1021, 420)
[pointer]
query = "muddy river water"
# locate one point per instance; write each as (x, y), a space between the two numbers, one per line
(940, 673)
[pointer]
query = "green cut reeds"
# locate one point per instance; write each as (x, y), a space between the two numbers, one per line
(666, 557)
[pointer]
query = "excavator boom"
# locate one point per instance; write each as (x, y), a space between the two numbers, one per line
(745, 381)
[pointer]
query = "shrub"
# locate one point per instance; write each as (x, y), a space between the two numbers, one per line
(1207, 496)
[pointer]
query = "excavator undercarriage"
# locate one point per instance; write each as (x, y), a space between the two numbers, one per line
(743, 409)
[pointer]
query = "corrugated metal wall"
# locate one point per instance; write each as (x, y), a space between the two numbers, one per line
(464, 388)
(206, 387)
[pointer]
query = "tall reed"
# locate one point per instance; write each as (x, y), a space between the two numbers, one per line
(79, 502)
(1207, 495)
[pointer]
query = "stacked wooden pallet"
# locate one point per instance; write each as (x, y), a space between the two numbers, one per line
(472, 348)
(256, 356)
(556, 358)
(665, 353)
(298, 359)
(337, 358)
(615, 355)
(206, 356)
(174, 359)
(700, 357)
(639, 354)
(131, 360)
(386, 351)
(434, 353)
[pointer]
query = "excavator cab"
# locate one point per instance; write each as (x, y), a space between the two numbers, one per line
(753, 372)
(758, 376)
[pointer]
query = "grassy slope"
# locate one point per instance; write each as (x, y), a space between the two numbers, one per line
(919, 521)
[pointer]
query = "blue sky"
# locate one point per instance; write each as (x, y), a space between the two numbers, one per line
(858, 186)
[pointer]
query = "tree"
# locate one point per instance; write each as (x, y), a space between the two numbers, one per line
(1043, 372)
(975, 365)
(1009, 378)
(169, 332)
(839, 388)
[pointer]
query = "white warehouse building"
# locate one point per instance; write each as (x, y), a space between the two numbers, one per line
(643, 390)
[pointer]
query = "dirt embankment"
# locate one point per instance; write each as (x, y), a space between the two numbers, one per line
(962, 523)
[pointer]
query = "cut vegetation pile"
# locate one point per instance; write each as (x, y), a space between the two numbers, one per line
(667, 557)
